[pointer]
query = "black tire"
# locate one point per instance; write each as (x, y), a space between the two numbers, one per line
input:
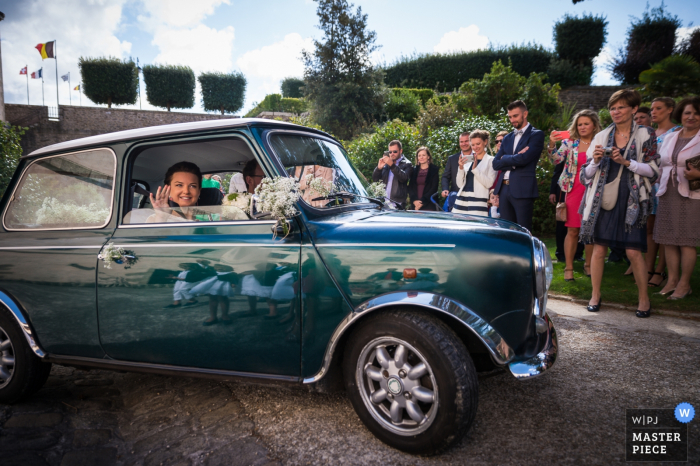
(448, 366)
(27, 372)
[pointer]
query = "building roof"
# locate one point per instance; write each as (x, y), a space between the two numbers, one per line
(162, 130)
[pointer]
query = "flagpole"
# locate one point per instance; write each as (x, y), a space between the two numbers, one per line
(70, 97)
(80, 93)
(55, 60)
(27, 75)
(43, 104)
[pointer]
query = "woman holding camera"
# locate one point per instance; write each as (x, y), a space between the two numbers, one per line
(584, 126)
(678, 223)
(475, 177)
(619, 173)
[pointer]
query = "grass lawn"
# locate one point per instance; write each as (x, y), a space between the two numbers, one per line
(618, 288)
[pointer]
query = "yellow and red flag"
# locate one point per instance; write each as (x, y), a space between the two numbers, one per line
(47, 50)
(77, 88)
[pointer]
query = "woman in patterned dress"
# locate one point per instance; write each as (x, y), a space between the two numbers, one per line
(584, 126)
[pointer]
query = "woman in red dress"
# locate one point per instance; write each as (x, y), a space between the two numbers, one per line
(573, 149)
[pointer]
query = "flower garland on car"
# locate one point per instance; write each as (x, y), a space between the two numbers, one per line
(112, 254)
(377, 190)
(277, 196)
(236, 206)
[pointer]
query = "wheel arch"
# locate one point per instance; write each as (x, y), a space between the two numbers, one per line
(23, 321)
(476, 334)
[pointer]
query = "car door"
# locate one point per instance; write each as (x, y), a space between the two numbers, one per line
(157, 304)
(57, 219)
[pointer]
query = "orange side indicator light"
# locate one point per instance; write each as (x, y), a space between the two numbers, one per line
(409, 274)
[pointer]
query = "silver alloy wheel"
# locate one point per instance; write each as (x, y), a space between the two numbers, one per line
(397, 386)
(7, 359)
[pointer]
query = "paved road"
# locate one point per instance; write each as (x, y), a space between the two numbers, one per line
(573, 415)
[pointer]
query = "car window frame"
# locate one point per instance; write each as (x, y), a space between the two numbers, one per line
(128, 165)
(39, 159)
(280, 166)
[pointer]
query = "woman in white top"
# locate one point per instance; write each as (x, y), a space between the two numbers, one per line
(475, 177)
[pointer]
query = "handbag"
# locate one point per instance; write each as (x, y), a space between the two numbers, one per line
(561, 209)
(611, 190)
(694, 162)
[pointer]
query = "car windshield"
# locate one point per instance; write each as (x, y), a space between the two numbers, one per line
(321, 167)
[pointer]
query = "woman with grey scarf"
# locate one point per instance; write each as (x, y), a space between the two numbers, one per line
(618, 175)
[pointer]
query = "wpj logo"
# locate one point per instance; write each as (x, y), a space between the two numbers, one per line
(658, 434)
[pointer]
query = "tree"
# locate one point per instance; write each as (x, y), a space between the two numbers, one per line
(403, 105)
(222, 92)
(577, 42)
(674, 76)
(490, 96)
(650, 39)
(344, 89)
(690, 45)
(10, 152)
(109, 80)
(169, 86)
(292, 88)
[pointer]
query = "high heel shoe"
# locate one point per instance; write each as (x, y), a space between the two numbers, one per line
(676, 298)
(664, 293)
(596, 308)
(572, 279)
(643, 314)
(587, 270)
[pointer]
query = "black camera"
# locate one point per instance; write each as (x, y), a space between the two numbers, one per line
(607, 152)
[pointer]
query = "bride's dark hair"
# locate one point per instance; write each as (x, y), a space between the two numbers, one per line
(186, 167)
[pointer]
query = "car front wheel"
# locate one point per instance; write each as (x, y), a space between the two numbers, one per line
(411, 381)
(22, 373)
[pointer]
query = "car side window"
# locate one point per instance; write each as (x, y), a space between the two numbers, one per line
(64, 192)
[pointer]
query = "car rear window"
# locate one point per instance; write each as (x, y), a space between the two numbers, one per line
(64, 192)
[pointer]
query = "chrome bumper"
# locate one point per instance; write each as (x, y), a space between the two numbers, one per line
(545, 359)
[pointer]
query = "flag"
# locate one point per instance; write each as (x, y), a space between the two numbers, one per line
(23, 70)
(77, 88)
(37, 74)
(65, 77)
(46, 50)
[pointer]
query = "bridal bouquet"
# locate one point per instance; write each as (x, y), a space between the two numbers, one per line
(112, 254)
(236, 206)
(278, 196)
(377, 190)
(318, 185)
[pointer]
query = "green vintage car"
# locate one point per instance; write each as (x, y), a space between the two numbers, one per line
(399, 308)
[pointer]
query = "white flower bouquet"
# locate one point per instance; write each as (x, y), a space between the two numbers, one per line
(112, 254)
(318, 185)
(236, 206)
(278, 196)
(377, 190)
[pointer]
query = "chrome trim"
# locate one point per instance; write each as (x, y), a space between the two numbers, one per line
(381, 245)
(543, 361)
(111, 206)
(539, 307)
(23, 324)
(164, 368)
(197, 224)
(201, 245)
(500, 352)
(13, 248)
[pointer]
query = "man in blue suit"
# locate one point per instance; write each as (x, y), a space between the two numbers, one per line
(517, 160)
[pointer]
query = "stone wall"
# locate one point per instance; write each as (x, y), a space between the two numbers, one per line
(79, 122)
(592, 97)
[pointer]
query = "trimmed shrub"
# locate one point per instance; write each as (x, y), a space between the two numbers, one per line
(10, 152)
(277, 103)
(568, 74)
(674, 76)
(650, 39)
(292, 88)
(366, 150)
(109, 80)
(423, 94)
(222, 92)
(577, 41)
(169, 86)
(402, 105)
(447, 72)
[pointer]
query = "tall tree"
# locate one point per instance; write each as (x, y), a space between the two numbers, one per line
(108, 80)
(345, 91)
(650, 39)
(292, 88)
(222, 92)
(169, 86)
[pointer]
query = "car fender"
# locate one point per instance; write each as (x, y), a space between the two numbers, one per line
(23, 322)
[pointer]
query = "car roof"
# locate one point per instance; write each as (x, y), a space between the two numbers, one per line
(162, 130)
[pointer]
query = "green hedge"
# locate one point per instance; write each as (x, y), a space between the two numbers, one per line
(10, 152)
(108, 80)
(221, 92)
(402, 105)
(277, 103)
(447, 72)
(169, 86)
(423, 94)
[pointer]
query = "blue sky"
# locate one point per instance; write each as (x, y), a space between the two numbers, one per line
(264, 38)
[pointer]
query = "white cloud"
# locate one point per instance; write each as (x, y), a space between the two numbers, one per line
(602, 76)
(179, 13)
(201, 48)
(272, 63)
(684, 33)
(465, 39)
(80, 29)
